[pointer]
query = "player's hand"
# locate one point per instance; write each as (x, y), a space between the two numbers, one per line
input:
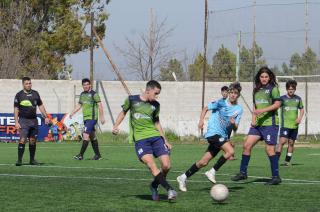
(17, 126)
(200, 124)
(169, 146)
(115, 130)
(257, 112)
(46, 120)
(102, 120)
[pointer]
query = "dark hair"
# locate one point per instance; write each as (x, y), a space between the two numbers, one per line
(86, 80)
(235, 86)
(153, 84)
(25, 79)
(257, 83)
(291, 83)
(224, 88)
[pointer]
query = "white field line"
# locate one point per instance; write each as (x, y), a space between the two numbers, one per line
(294, 181)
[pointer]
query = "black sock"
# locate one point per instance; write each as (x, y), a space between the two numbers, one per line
(288, 158)
(20, 151)
(219, 163)
(160, 179)
(278, 155)
(193, 169)
(84, 147)
(95, 147)
(32, 150)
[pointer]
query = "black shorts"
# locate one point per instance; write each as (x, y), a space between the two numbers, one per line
(215, 143)
(29, 128)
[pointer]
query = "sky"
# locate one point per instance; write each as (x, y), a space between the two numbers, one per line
(280, 31)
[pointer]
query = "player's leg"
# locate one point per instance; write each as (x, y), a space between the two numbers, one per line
(293, 134)
(270, 134)
(210, 153)
(95, 146)
(228, 152)
(33, 133)
(253, 137)
(24, 132)
(283, 138)
(85, 140)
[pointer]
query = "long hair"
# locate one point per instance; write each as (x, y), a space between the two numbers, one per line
(257, 83)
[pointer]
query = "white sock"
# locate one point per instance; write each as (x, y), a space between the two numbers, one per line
(212, 171)
(183, 176)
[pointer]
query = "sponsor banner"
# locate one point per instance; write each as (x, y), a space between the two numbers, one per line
(61, 127)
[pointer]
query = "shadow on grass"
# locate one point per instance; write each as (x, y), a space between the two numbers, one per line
(163, 198)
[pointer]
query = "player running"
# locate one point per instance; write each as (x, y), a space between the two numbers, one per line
(226, 115)
(265, 123)
(290, 108)
(90, 103)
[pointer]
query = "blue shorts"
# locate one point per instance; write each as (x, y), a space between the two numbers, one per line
(289, 133)
(267, 133)
(89, 126)
(154, 145)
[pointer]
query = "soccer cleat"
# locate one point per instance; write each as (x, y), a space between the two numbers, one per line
(239, 176)
(19, 163)
(182, 183)
(274, 181)
(154, 193)
(34, 163)
(96, 157)
(78, 157)
(172, 194)
(211, 177)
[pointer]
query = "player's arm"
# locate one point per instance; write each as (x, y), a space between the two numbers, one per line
(272, 107)
(16, 119)
(76, 109)
(122, 114)
(253, 117)
(301, 114)
(159, 127)
(44, 113)
(101, 113)
(115, 129)
(202, 116)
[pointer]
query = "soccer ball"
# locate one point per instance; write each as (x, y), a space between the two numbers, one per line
(219, 192)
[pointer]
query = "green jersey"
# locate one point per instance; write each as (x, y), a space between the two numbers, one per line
(289, 111)
(263, 98)
(143, 116)
(89, 101)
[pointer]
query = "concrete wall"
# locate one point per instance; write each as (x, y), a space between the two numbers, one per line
(180, 101)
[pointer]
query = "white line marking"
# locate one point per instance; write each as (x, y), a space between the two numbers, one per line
(297, 181)
(314, 154)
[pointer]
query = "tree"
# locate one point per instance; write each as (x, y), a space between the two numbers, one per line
(173, 66)
(35, 36)
(305, 64)
(147, 54)
(195, 70)
(247, 68)
(224, 66)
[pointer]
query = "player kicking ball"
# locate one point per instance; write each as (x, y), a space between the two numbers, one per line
(291, 106)
(226, 115)
(148, 135)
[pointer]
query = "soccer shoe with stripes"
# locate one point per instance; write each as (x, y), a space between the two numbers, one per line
(211, 177)
(172, 194)
(78, 157)
(182, 183)
(239, 176)
(19, 163)
(96, 157)
(154, 193)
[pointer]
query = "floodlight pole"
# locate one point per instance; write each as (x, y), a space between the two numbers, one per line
(91, 48)
(204, 52)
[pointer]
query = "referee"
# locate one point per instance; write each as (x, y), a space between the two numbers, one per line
(25, 109)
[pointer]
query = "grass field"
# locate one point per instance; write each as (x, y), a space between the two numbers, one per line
(120, 183)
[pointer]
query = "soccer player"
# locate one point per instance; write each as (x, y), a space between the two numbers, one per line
(26, 122)
(291, 106)
(226, 114)
(90, 103)
(265, 123)
(224, 92)
(148, 135)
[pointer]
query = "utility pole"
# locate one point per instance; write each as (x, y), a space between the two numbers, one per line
(204, 51)
(254, 42)
(238, 57)
(151, 43)
(91, 48)
(306, 44)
